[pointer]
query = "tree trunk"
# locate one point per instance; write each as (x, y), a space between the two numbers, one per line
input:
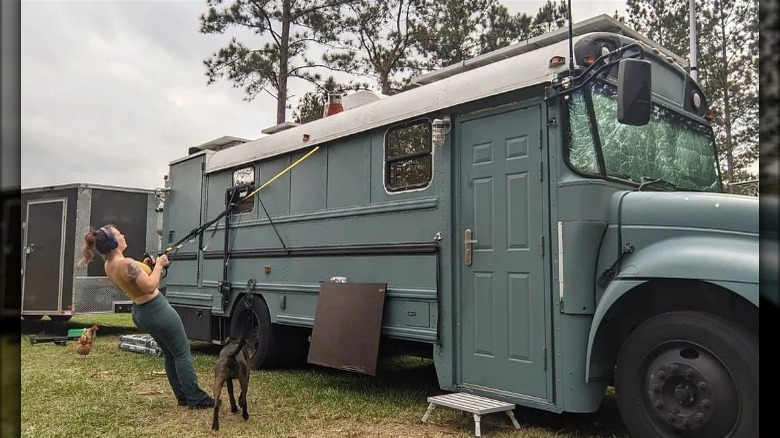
(284, 44)
(385, 83)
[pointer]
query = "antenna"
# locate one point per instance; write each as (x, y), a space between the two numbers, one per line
(692, 34)
(571, 47)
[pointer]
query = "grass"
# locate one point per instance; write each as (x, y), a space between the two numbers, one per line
(115, 393)
(9, 386)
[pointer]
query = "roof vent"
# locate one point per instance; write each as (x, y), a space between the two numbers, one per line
(218, 144)
(360, 97)
(334, 105)
(280, 127)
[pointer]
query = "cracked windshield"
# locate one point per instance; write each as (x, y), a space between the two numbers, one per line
(673, 148)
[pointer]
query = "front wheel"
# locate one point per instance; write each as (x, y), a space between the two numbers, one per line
(689, 374)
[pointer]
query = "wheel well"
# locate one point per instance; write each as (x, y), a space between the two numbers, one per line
(239, 305)
(660, 296)
(286, 345)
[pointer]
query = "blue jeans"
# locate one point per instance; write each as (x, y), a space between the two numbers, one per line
(161, 321)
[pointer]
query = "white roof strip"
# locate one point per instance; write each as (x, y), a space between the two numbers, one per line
(600, 23)
(503, 74)
(509, 74)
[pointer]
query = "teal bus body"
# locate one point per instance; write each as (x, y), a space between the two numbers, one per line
(562, 267)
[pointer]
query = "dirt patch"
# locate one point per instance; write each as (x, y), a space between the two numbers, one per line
(356, 429)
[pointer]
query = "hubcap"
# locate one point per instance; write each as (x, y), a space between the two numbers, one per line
(690, 389)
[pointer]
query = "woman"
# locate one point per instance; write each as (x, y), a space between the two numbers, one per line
(151, 312)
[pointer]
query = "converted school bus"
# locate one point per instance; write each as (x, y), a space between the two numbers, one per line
(533, 245)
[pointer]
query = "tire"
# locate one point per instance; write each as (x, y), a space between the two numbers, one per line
(688, 374)
(252, 320)
(60, 318)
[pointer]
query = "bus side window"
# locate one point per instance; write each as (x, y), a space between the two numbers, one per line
(408, 156)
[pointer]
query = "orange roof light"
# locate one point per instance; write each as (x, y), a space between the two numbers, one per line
(710, 116)
(589, 60)
(557, 61)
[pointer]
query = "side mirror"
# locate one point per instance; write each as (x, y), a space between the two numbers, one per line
(633, 95)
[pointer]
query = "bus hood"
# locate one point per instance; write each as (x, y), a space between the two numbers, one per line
(695, 210)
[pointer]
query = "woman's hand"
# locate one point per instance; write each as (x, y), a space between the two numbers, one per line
(152, 262)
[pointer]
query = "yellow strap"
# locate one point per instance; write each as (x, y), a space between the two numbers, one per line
(285, 170)
(281, 173)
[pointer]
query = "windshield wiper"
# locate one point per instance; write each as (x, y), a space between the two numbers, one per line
(658, 182)
(624, 177)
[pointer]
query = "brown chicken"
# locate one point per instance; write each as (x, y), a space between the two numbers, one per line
(84, 344)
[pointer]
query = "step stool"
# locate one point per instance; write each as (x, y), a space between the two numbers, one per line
(473, 404)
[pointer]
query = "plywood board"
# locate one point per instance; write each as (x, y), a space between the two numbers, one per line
(347, 326)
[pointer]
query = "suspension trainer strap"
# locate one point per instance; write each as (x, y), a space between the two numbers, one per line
(285, 170)
(205, 226)
(287, 251)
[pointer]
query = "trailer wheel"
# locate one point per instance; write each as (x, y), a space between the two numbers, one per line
(251, 319)
(688, 374)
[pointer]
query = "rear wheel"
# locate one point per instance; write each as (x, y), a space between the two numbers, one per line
(689, 374)
(252, 321)
(269, 345)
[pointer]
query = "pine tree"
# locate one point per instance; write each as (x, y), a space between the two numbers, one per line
(387, 40)
(551, 16)
(727, 34)
(378, 40)
(663, 21)
(503, 29)
(451, 31)
(729, 77)
(288, 26)
(312, 104)
(456, 30)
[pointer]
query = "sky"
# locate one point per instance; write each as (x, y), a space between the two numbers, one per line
(113, 91)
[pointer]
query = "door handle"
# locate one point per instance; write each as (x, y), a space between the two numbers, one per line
(467, 248)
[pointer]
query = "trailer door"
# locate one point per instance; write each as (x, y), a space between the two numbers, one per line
(502, 317)
(183, 213)
(44, 251)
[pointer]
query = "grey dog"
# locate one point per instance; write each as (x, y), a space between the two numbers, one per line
(231, 364)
